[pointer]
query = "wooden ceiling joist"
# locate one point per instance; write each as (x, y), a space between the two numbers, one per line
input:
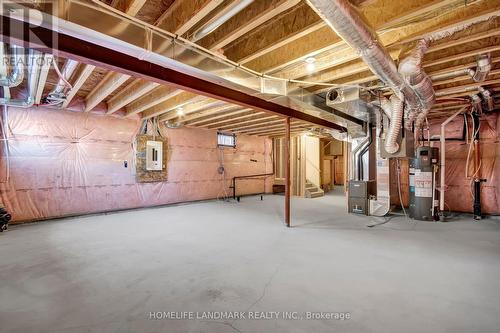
(128, 94)
(109, 83)
(215, 121)
(182, 15)
(252, 17)
(83, 73)
(156, 96)
(205, 104)
(325, 39)
(179, 100)
(214, 114)
(255, 122)
(295, 23)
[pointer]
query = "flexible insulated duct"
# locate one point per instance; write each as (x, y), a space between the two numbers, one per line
(16, 62)
(391, 144)
(414, 75)
(33, 63)
(346, 22)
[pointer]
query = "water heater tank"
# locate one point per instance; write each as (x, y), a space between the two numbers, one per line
(423, 194)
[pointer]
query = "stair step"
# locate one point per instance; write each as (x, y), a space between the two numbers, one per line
(316, 194)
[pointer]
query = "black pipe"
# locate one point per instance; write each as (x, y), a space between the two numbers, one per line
(256, 175)
(360, 158)
(477, 180)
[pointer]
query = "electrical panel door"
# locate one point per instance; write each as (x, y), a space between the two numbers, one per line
(154, 155)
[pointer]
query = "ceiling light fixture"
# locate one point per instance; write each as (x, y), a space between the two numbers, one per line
(310, 64)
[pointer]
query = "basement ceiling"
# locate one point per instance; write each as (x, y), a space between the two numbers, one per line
(282, 38)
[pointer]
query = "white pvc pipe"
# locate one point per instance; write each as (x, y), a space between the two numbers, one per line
(443, 157)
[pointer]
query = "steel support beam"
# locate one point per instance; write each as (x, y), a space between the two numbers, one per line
(50, 41)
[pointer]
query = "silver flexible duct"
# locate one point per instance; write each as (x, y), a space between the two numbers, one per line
(391, 144)
(386, 107)
(414, 75)
(16, 62)
(57, 95)
(34, 65)
(483, 68)
(346, 22)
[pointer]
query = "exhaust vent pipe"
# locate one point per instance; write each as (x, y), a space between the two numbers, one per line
(16, 62)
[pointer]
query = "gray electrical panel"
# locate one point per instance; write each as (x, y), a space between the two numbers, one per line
(423, 193)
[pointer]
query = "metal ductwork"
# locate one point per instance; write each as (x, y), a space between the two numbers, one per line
(57, 95)
(483, 68)
(346, 22)
(453, 74)
(362, 144)
(16, 63)
(33, 63)
(415, 90)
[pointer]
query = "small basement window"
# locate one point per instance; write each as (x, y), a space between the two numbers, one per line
(226, 140)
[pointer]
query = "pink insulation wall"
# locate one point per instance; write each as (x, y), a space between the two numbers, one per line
(68, 163)
(459, 190)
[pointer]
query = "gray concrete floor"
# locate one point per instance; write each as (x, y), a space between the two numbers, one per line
(107, 273)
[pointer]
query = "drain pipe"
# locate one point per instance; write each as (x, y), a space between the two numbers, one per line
(443, 162)
(16, 75)
(34, 63)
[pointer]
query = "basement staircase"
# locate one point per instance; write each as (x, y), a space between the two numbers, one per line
(313, 191)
